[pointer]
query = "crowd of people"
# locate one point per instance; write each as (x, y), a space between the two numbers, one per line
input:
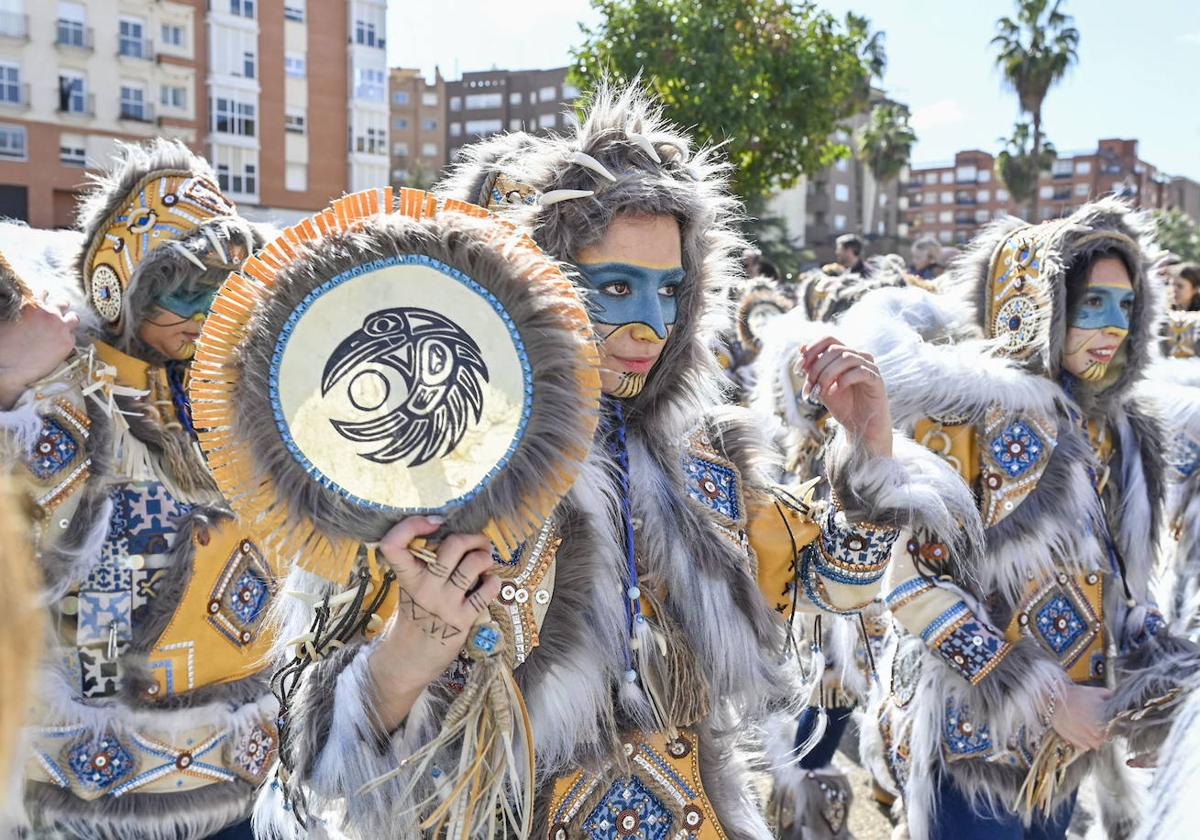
(540, 505)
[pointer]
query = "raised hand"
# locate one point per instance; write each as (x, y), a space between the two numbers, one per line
(849, 384)
(438, 602)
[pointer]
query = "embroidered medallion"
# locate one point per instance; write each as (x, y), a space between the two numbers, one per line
(251, 754)
(1064, 615)
(961, 736)
(99, 764)
(1015, 450)
(240, 597)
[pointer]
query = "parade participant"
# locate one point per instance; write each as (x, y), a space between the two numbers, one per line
(1000, 692)
(758, 305)
(672, 563)
(926, 253)
(151, 718)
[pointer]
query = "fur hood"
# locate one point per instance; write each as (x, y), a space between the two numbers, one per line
(649, 168)
(1014, 277)
(207, 239)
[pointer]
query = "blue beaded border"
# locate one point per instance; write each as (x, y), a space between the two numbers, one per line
(366, 268)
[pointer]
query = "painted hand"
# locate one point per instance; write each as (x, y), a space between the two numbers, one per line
(848, 382)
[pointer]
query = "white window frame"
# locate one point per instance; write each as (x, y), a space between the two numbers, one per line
(10, 150)
(429, 150)
(127, 38)
(127, 102)
(295, 120)
(10, 88)
(295, 65)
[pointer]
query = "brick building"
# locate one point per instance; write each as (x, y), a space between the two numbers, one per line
(418, 129)
(491, 101)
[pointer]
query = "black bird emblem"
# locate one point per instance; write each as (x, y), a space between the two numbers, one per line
(443, 372)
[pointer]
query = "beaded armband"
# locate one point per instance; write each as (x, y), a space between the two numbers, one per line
(854, 555)
(966, 644)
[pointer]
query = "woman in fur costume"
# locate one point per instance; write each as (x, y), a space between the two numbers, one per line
(672, 561)
(152, 717)
(1007, 680)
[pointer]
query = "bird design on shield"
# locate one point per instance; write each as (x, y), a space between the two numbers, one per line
(417, 379)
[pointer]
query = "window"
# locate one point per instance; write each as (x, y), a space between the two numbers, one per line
(965, 173)
(10, 83)
(72, 20)
(947, 177)
(570, 92)
(131, 40)
(72, 150)
(234, 182)
(371, 86)
(233, 117)
(479, 101)
(429, 125)
(930, 198)
(364, 33)
(515, 125)
(242, 8)
(296, 177)
(400, 123)
(1083, 167)
(983, 196)
(12, 142)
(429, 99)
(294, 65)
(455, 103)
(429, 149)
(514, 98)
(883, 198)
(944, 237)
(399, 150)
(1046, 191)
(294, 10)
(548, 94)
(1002, 195)
(945, 217)
(842, 165)
(173, 96)
(482, 127)
(455, 129)
(930, 177)
(839, 222)
(985, 176)
(133, 103)
(1062, 169)
(981, 215)
(841, 192)
(880, 228)
(1081, 190)
(172, 34)
(248, 65)
(72, 93)
(295, 121)
(947, 197)
(929, 218)
(400, 97)
(372, 142)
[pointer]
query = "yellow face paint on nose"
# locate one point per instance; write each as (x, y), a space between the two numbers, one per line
(644, 332)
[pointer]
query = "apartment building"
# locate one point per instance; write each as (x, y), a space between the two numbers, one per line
(418, 126)
(951, 201)
(491, 101)
(287, 98)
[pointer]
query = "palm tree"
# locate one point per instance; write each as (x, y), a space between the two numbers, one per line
(1034, 52)
(1019, 167)
(885, 144)
(872, 53)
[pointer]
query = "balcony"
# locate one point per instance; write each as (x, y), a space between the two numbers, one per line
(14, 25)
(77, 105)
(141, 112)
(964, 198)
(69, 33)
(138, 48)
(14, 95)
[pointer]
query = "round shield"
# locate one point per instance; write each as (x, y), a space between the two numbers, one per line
(370, 365)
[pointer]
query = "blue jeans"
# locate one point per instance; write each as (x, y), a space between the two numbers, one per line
(954, 819)
(240, 831)
(821, 755)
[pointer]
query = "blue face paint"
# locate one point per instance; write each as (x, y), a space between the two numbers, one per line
(187, 304)
(624, 293)
(1104, 306)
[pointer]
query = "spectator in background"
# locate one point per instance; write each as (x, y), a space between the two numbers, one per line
(926, 258)
(849, 253)
(1186, 283)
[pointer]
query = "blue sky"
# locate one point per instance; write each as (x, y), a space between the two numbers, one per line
(1138, 74)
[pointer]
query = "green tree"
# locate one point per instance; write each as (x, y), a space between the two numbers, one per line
(1019, 166)
(1178, 233)
(1034, 51)
(770, 79)
(885, 144)
(421, 176)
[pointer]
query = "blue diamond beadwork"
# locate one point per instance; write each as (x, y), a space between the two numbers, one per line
(1017, 448)
(250, 596)
(100, 764)
(486, 638)
(713, 485)
(962, 736)
(53, 451)
(629, 809)
(1060, 624)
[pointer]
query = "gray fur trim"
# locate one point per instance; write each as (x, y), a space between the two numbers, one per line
(1146, 673)
(725, 759)
(692, 189)
(174, 445)
(558, 417)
